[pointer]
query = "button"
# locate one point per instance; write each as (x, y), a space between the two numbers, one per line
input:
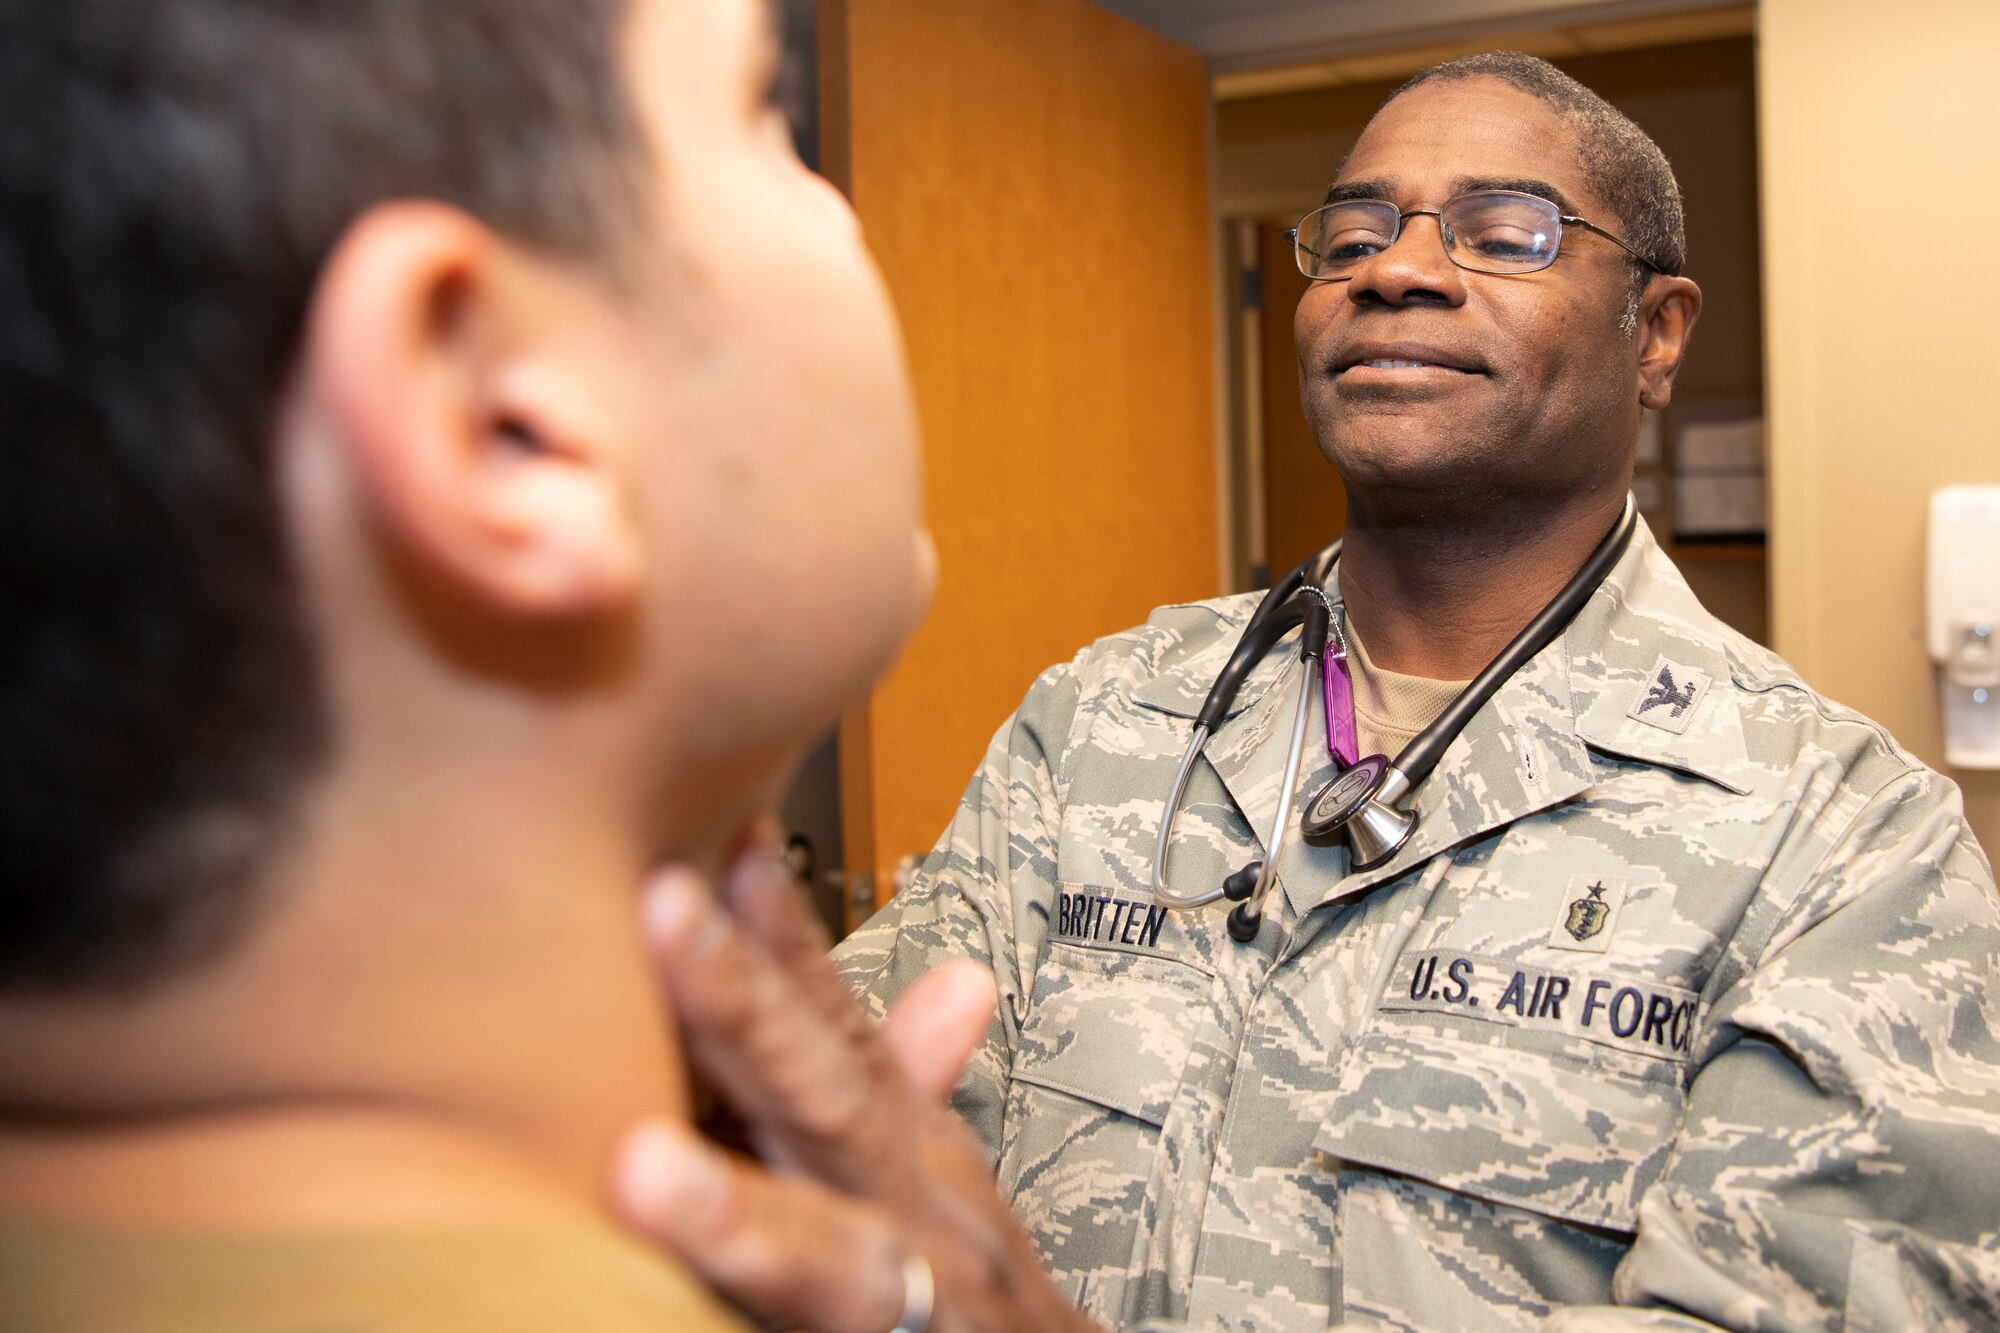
(1976, 659)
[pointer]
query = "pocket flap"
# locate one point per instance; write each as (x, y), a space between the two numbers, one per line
(1113, 1028)
(1527, 1128)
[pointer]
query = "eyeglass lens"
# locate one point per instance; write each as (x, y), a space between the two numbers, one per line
(1491, 232)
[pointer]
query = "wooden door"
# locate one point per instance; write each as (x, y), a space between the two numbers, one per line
(1033, 178)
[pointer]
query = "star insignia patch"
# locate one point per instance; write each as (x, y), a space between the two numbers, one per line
(1670, 696)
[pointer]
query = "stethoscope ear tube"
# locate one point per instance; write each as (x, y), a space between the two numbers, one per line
(1248, 916)
(1269, 625)
(1160, 889)
(1274, 617)
(1307, 609)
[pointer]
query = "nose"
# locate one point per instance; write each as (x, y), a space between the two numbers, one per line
(1413, 270)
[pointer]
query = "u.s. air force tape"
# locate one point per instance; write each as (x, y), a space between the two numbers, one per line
(1642, 1016)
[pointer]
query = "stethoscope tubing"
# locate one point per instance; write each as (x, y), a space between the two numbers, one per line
(1160, 889)
(1298, 599)
(1312, 612)
(1422, 754)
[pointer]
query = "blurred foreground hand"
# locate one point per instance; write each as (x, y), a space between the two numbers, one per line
(853, 1162)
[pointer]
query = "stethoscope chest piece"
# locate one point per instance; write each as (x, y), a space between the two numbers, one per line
(1362, 803)
(1342, 798)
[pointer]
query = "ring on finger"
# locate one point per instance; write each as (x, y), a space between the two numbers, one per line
(919, 1295)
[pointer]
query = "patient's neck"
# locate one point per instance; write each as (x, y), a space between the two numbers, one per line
(445, 1014)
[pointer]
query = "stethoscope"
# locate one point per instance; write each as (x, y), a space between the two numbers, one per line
(1363, 799)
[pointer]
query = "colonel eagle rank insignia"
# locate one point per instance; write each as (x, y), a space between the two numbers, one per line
(1670, 696)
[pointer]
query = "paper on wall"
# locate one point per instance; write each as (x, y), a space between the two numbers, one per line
(1649, 453)
(1718, 504)
(1722, 446)
(1647, 492)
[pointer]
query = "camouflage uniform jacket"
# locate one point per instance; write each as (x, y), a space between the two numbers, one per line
(1682, 996)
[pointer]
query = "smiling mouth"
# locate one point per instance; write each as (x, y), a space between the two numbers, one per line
(1388, 368)
(1403, 365)
(1404, 358)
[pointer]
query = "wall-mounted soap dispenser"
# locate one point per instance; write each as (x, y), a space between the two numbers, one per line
(1963, 605)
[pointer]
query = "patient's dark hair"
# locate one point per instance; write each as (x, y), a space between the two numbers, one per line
(173, 174)
(1625, 167)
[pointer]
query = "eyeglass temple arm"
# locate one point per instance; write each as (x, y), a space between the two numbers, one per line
(1568, 220)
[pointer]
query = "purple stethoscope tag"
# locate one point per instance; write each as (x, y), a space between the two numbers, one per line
(1340, 734)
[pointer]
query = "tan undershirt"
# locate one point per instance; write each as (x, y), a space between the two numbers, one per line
(529, 1278)
(1390, 708)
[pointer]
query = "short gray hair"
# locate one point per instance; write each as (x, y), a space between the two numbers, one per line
(1626, 169)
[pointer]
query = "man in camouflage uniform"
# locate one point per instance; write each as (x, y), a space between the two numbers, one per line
(1678, 1010)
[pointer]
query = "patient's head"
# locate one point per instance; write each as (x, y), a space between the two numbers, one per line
(383, 381)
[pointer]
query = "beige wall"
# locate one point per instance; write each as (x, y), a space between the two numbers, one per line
(1877, 122)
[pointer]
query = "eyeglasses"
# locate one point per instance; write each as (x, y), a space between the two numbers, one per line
(1492, 231)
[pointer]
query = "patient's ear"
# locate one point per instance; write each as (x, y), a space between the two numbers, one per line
(439, 355)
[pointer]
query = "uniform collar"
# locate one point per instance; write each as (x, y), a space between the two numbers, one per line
(1530, 748)
(1645, 613)
(1188, 667)
(1247, 749)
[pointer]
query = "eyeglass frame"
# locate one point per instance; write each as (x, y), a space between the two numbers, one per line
(1563, 220)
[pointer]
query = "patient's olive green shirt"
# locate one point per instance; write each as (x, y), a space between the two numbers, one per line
(529, 1278)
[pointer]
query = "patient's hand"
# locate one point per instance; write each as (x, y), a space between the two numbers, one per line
(861, 1165)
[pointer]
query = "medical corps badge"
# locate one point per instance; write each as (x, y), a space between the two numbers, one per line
(1589, 916)
(1586, 915)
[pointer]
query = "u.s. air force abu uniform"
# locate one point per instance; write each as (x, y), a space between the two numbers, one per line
(1685, 994)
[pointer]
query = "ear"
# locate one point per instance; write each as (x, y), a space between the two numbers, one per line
(1668, 309)
(434, 349)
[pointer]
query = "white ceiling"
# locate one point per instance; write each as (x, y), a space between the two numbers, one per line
(1243, 34)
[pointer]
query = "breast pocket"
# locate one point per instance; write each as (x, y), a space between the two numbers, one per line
(1103, 1049)
(1483, 1183)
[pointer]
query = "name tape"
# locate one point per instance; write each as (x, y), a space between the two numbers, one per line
(1102, 919)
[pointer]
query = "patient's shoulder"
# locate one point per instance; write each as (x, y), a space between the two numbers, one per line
(524, 1278)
